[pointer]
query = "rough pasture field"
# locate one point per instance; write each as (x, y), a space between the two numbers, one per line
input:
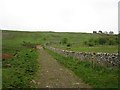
(21, 65)
(74, 41)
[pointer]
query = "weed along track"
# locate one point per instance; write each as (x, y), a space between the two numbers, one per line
(54, 75)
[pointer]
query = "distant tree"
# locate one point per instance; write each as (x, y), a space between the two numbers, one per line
(111, 32)
(100, 31)
(94, 31)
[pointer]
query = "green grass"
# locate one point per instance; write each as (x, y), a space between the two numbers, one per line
(54, 38)
(97, 77)
(100, 48)
(22, 70)
(24, 67)
(105, 48)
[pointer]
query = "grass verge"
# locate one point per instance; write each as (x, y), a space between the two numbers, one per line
(21, 69)
(97, 77)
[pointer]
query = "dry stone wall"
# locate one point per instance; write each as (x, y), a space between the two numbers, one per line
(106, 59)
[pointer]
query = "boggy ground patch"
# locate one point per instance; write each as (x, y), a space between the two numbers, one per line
(5, 60)
(6, 56)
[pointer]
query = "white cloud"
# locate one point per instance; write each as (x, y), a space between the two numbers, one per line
(59, 15)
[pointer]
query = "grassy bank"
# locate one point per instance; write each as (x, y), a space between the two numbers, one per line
(97, 77)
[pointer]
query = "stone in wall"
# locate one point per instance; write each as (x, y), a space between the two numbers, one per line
(103, 58)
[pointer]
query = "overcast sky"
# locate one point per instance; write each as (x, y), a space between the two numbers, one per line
(59, 15)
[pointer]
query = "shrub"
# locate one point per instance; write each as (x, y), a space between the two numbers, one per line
(68, 45)
(85, 42)
(64, 41)
(90, 44)
(111, 42)
(102, 41)
(28, 44)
